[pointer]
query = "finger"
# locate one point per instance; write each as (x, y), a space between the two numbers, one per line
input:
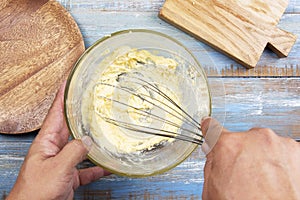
(211, 130)
(210, 124)
(207, 171)
(55, 123)
(91, 174)
(74, 152)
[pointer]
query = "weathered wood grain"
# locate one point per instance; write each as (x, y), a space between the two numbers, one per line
(171, 185)
(265, 96)
(96, 24)
(39, 43)
(12, 155)
(293, 7)
(259, 102)
(137, 5)
(267, 102)
(258, 72)
(239, 29)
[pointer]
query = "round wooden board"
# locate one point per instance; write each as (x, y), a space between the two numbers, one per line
(39, 43)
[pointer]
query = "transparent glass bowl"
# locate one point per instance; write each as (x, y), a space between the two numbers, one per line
(90, 66)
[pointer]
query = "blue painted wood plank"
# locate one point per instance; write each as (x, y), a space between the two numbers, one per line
(293, 7)
(95, 24)
(12, 154)
(261, 102)
(249, 99)
(27, 137)
(184, 180)
(138, 5)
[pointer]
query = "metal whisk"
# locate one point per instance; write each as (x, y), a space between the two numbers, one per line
(148, 117)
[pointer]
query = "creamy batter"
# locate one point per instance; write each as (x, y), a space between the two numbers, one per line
(106, 99)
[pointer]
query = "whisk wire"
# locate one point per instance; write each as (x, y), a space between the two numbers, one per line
(178, 112)
(128, 90)
(170, 123)
(170, 100)
(146, 113)
(151, 130)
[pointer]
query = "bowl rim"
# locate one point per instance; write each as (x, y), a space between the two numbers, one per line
(81, 59)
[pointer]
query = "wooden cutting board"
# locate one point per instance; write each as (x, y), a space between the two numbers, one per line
(240, 29)
(39, 43)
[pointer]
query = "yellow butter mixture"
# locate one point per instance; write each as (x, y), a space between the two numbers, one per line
(118, 95)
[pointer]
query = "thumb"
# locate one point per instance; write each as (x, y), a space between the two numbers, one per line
(75, 151)
(211, 130)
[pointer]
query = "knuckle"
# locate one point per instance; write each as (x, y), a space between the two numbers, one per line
(254, 129)
(268, 136)
(265, 131)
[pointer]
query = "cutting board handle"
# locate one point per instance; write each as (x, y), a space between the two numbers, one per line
(281, 42)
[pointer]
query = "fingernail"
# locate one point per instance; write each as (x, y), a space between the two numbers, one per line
(87, 142)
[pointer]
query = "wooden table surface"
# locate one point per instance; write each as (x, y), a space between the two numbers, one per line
(267, 96)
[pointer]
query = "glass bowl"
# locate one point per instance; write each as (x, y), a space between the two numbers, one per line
(169, 65)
